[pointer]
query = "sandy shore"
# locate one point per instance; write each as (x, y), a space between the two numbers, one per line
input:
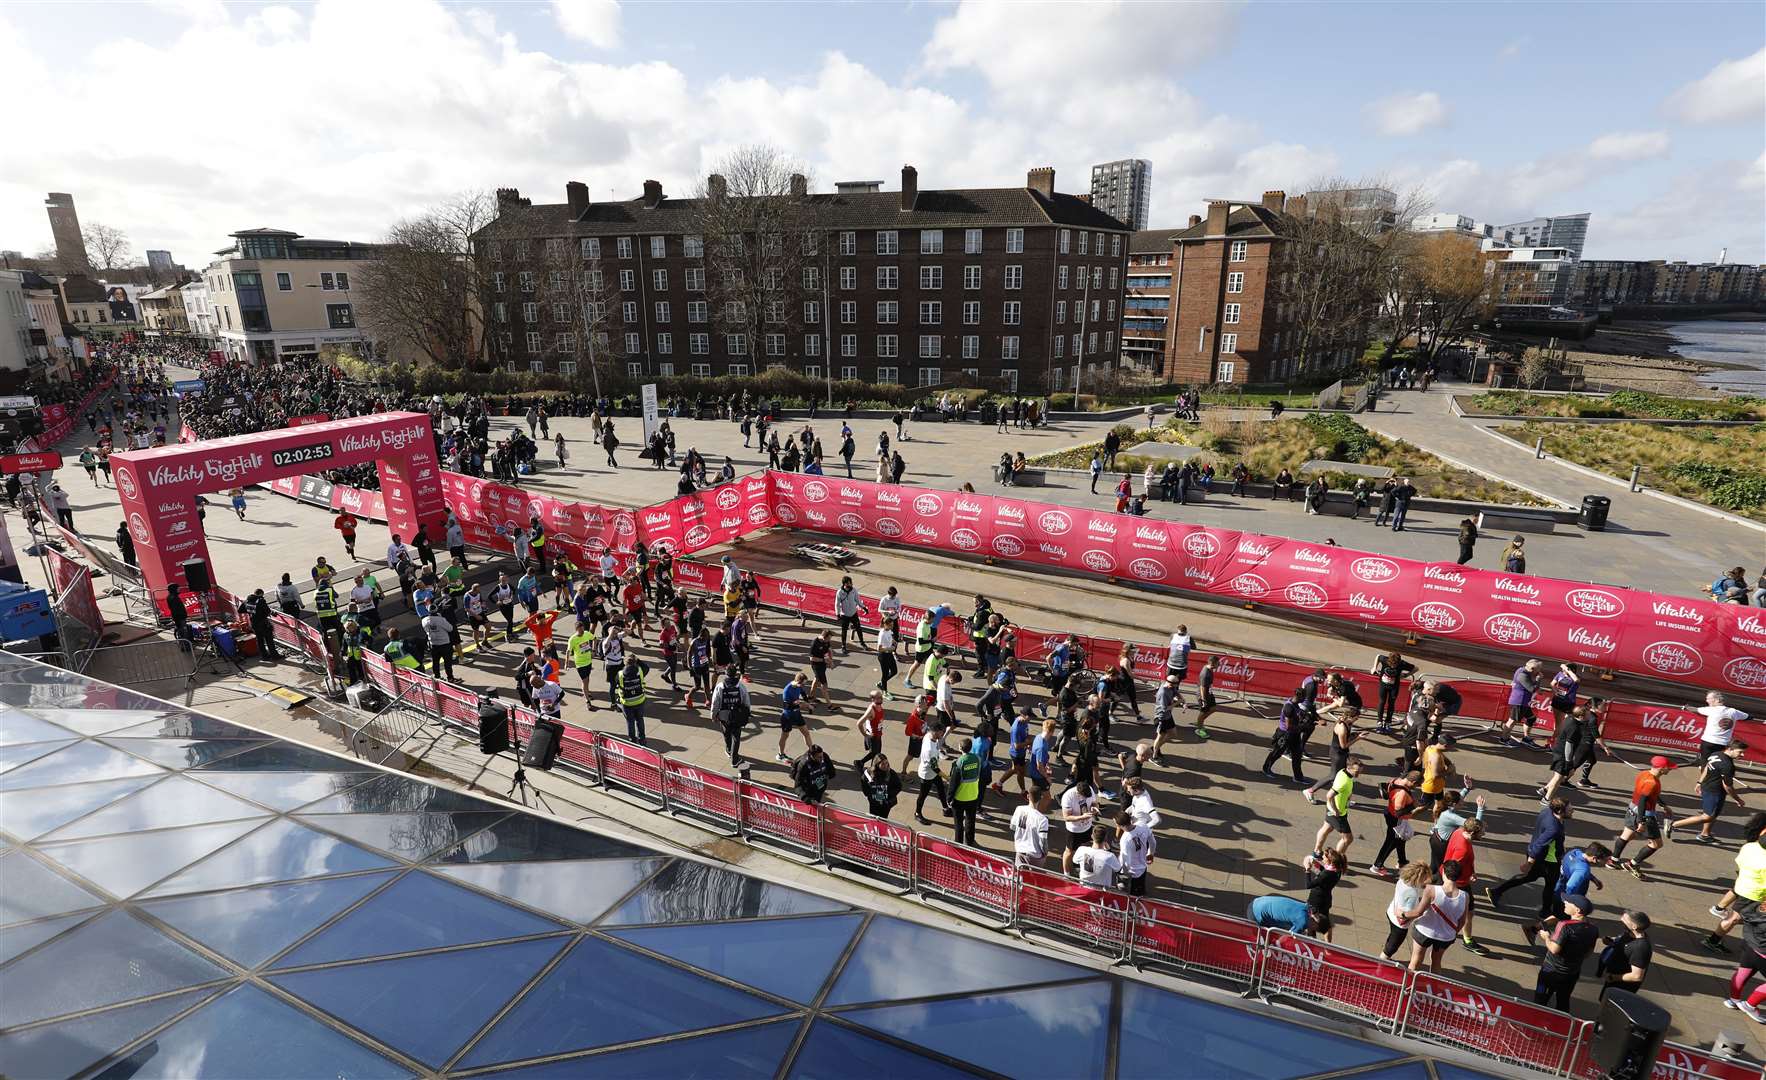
(1640, 355)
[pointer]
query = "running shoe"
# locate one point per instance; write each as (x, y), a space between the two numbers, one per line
(1731, 1003)
(1719, 913)
(1476, 947)
(1713, 943)
(1202, 733)
(1705, 838)
(1528, 930)
(1668, 829)
(1751, 1013)
(782, 759)
(1381, 872)
(1630, 867)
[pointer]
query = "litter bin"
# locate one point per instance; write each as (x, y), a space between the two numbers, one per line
(1594, 512)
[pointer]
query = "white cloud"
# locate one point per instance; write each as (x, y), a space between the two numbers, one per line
(1407, 113)
(1694, 216)
(1733, 92)
(593, 21)
(1629, 145)
(1515, 48)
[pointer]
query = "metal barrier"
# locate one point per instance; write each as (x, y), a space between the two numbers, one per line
(880, 848)
(1346, 981)
(1503, 1029)
(779, 818)
(1196, 942)
(700, 792)
(635, 768)
(967, 876)
(146, 662)
(1097, 919)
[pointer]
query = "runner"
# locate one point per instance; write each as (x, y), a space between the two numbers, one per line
(930, 772)
(1079, 812)
(1720, 721)
(1644, 815)
(1401, 803)
(882, 787)
(1749, 890)
(870, 728)
(821, 649)
(1030, 828)
(1436, 919)
(886, 664)
(1096, 863)
(1391, 670)
(1289, 737)
(1164, 724)
(791, 715)
(1544, 856)
(699, 667)
(1717, 785)
(1566, 947)
(1412, 881)
(1205, 702)
(583, 647)
(1135, 849)
(1522, 686)
(1323, 872)
(1336, 817)
(1177, 658)
(1343, 711)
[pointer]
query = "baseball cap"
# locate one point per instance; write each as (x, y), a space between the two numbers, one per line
(1582, 903)
(1660, 762)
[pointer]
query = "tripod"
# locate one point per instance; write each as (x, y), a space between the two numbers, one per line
(519, 785)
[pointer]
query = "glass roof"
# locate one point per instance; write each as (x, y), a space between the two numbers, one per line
(181, 896)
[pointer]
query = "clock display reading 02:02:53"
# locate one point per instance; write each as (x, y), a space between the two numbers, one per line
(300, 455)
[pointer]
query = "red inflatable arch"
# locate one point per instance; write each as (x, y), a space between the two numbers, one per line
(159, 487)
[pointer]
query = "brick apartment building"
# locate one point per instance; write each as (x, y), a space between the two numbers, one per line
(1606, 283)
(1205, 304)
(1013, 285)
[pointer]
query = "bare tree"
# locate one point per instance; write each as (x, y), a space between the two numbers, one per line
(419, 294)
(107, 247)
(586, 310)
(754, 219)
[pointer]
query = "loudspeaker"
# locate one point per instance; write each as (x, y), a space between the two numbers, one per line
(1627, 1035)
(543, 744)
(196, 573)
(493, 727)
(365, 696)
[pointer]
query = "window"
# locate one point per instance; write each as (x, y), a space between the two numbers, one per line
(526, 280)
(971, 347)
(285, 284)
(693, 247)
(662, 312)
(698, 311)
(848, 345)
(658, 247)
(772, 280)
(625, 247)
(888, 375)
(812, 344)
(564, 342)
(1116, 244)
(666, 369)
(496, 252)
(971, 313)
(632, 344)
(1109, 340)
(500, 312)
(931, 376)
(1084, 239)
(849, 277)
(812, 312)
(1097, 277)
(736, 344)
(596, 280)
(888, 242)
(554, 248)
(561, 313)
(521, 250)
(1014, 277)
(888, 346)
(812, 277)
(971, 241)
(628, 312)
(971, 277)
(930, 346)
(567, 367)
(814, 371)
(811, 244)
(533, 341)
(555, 281)
(1078, 345)
(1237, 251)
(775, 311)
(591, 247)
(932, 241)
(849, 243)
(849, 374)
(699, 345)
(537, 367)
(627, 281)
(1113, 278)
(1060, 348)
(1009, 347)
(848, 312)
(888, 311)
(931, 277)
(1060, 311)
(665, 344)
(1094, 310)
(1061, 277)
(1235, 282)
(1014, 241)
(700, 370)
(530, 312)
(1091, 343)
(888, 277)
(1231, 316)
(1100, 244)
(1229, 344)
(1202, 339)
(931, 312)
(1014, 312)
(340, 316)
(659, 280)
(735, 311)
(695, 279)
(1110, 311)
(343, 281)
(772, 244)
(775, 344)
(1065, 241)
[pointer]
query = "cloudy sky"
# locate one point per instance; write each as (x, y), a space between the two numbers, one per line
(180, 121)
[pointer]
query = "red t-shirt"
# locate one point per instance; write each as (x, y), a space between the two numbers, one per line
(541, 625)
(1459, 847)
(915, 726)
(1646, 790)
(345, 524)
(634, 596)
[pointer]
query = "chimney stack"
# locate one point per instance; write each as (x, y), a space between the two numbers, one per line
(508, 196)
(1297, 206)
(1042, 180)
(576, 193)
(652, 194)
(1217, 211)
(1274, 200)
(910, 186)
(1195, 220)
(716, 186)
(799, 185)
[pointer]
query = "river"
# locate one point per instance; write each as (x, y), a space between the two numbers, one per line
(1723, 341)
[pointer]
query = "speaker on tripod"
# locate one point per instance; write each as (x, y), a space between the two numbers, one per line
(196, 573)
(1628, 1035)
(493, 727)
(543, 744)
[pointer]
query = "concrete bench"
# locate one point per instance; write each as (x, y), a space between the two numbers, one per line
(1024, 477)
(1518, 519)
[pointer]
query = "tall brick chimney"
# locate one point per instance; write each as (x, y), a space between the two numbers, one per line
(1297, 206)
(652, 193)
(716, 186)
(910, 186)
(508, 196)
(1274, 200)
(1042, 180)
(576, 193)
(799, 185)
(1217, 211)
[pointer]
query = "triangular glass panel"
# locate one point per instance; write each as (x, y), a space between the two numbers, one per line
(696, 892)
(835, 1053)
(183, 753)
(751, 1053)
(882, 967)
(577, 890)
(30, 816)
(64, 1049)
(75, 764)
(114, 958)
(418, 912)
(249, 926)
(787, 957)
(16, 939)
(286, 757)
(168, 804)
(22, 727)
(124, 865)
(425, 1006)
(386, 794)
(248, 1032)
(281, 790)
(187, 725)
(1056, 1031)
(96, 721)
(280, 851)
(11, 757)
(525, 838)
(30, 890)
(409, 836)
(600, 995)
(1159, 1026)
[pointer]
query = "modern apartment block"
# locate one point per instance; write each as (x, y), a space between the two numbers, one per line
(159, 260)
(1566, 231)
(1124, 190)
(64, 224)
(1530, 282)
(276, 294)
(1370, 209)
(1017, 285)
(1146, 300)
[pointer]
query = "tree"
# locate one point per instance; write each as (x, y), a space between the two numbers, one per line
(1448, 272)
(580, 293)
(754, 218)
(107, 247)
(419, 293)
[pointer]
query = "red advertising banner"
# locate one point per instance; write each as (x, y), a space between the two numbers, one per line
(637, 767)
(54, 414)
(73, 586)
(363, 504)
(869, 841)
(1514, 1031)
(309, 419)
(23, 463)
(1673, 1062)
(774, 814)
(1099, 916)
(1348, 980)
(709, 793)
(1196, 939)
(966, 873)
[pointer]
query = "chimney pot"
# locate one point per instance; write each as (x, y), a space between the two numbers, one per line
(576, 193)
(1195, 219)
(508, 195)
(1041, 180)
(1217, 214)
(716, 186)
(1274, 200)
(910, 186)
(652, 193)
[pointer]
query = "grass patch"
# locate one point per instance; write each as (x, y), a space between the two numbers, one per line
(1267, 446)
(1719, 467)
(1624, 404)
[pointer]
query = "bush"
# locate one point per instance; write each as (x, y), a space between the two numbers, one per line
(1725, 486)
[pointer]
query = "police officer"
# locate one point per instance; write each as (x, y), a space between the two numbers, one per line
(537, 542)
(257, 609)
(632, 697)
(965, 792)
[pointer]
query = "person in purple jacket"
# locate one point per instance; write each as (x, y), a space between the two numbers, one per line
(1522, 687)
